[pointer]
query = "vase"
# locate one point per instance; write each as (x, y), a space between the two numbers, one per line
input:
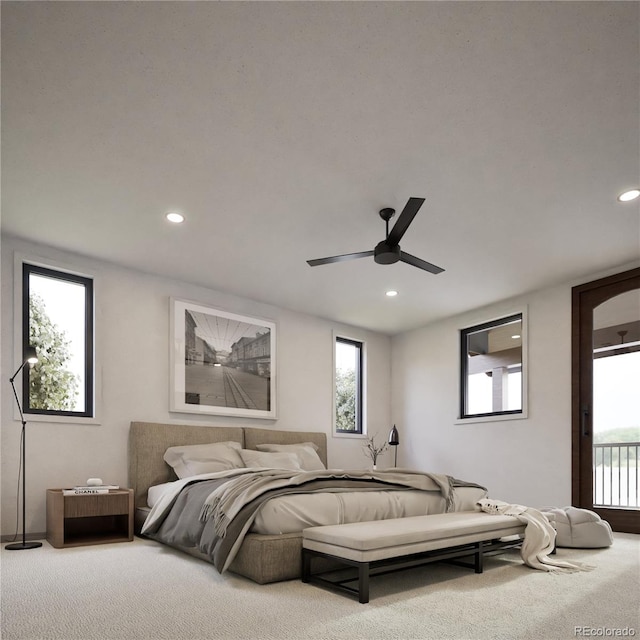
(375, 466)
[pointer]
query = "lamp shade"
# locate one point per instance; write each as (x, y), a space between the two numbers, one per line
(30, 357)
(394, 439)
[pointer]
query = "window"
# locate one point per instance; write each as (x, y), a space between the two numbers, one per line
(348, 376)
(57, 319)
(492, 382)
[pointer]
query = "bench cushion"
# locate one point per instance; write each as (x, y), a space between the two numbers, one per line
(382, 539)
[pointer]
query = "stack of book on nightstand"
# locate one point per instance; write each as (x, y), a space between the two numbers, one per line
(89, 490)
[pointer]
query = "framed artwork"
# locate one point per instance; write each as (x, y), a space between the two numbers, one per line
(221, 363)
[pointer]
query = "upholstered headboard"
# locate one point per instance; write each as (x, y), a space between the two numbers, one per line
(149, 440)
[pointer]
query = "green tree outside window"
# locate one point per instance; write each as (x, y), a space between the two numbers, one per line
(345, 400)
(52, 386)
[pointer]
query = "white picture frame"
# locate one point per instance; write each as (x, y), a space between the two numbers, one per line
(221, 363)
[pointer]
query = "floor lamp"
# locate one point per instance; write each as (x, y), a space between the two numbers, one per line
(30, 358)
(394, 441)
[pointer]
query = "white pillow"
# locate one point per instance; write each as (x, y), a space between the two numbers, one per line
(194, 459)
(282, 460)
(306, 451)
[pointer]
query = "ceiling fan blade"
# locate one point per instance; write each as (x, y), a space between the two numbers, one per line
(421, 264)
(343, 258)
(405, 219)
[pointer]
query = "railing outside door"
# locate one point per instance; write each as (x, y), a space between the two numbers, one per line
(615, 475)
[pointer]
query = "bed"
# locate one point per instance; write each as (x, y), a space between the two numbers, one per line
(265, 550)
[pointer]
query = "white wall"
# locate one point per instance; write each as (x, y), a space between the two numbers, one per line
(132, 330)
(415, 385)
(525, 461)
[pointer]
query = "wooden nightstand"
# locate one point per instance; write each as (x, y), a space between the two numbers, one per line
(74, 521)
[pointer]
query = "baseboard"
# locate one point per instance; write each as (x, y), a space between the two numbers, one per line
(18, 538)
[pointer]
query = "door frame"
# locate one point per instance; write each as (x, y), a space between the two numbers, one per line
(584, 298)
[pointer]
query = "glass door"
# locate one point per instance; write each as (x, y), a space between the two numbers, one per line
(606, 402)
(616, 401)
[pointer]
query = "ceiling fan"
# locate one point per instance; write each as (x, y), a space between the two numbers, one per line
(388, 250)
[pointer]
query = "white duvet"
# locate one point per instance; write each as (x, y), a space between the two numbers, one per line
(289, 514)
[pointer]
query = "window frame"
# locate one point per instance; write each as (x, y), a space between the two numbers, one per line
(361, 424)
(24, 265)
(510, 414)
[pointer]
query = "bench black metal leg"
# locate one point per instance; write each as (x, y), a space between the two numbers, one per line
(363, 582)
(478, 558)
(306, 565)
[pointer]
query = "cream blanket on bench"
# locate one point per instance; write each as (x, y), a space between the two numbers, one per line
(539, 536)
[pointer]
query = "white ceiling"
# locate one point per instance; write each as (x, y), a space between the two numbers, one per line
(280, 130)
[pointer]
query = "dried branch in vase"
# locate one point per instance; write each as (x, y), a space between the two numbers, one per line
(372, 450)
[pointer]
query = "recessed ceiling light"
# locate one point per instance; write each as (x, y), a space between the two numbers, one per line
(629, 195)
(175, 217)
(391, 293)
(516, 336)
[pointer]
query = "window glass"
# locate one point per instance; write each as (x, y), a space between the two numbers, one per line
(58, 322)
(348, 385)
(491, 368)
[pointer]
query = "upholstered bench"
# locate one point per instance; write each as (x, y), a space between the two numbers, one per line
(388, 545)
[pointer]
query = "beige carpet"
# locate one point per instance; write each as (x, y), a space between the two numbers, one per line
(144, 591)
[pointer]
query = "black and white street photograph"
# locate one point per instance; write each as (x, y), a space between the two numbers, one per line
(222, 362)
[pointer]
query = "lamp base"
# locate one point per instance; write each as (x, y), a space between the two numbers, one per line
(23, 545)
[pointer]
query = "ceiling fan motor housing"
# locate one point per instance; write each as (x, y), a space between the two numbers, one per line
(385, 253)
